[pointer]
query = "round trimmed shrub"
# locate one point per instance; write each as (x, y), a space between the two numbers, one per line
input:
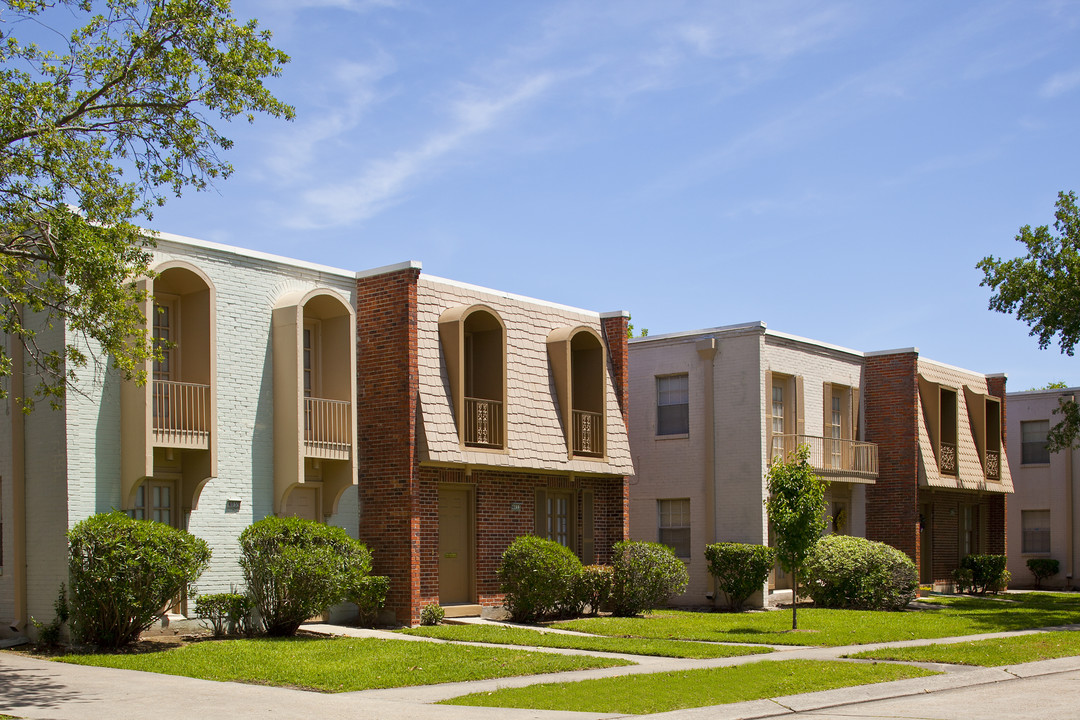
(592, 587)
(645, 576)
(124, 574)
(988, 572)
(536, 577)
(369, 595)
(855, 573)
(1042, 568)
(296, 568)
(740, 569)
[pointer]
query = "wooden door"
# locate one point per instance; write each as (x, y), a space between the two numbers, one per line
(455, 556)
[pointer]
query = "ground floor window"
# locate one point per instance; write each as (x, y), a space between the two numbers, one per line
(969, 530)
(674, 525)
(155, 500)
(1036, 531)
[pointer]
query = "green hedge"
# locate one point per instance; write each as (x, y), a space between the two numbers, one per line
(740, 569)
(125, 573)
(645, 576)
(1042, 568)
(988, 572)
(852, 572)
(536, 577)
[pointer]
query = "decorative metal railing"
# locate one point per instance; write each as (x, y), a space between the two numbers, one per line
(181, 414)
(993, 465)
(588, 430)
(947, 458)
(830, 455)
(327, 428)
(483, 423)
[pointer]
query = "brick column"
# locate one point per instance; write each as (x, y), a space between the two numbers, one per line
(387, 387)
(997, 528)
(616, 327)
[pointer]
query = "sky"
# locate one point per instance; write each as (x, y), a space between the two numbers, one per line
(835, 169)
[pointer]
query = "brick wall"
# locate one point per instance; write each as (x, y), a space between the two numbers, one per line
(615, 335)
(890, 408)
(390, 505)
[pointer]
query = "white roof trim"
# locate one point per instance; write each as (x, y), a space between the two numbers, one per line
(756, 325)
(382, 270)
(816, 343)
(511, 296)
(896, 351)
(245, 252)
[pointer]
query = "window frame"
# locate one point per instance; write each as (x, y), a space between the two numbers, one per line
(1043, 457)
(1043, 531)
(682, 430)
(684, 515)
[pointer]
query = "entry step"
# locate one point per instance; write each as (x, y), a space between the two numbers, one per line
(462, 610)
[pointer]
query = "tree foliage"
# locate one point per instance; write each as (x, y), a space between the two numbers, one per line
(796, 510)
(1042, 289)
(106, 110)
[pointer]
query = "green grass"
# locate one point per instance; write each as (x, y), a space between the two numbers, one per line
(341, 664)
(502, 635)
(987, 653)
(660, 692)
(951, 616)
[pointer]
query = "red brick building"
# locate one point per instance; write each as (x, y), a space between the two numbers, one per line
(483, 416)
(942, 471)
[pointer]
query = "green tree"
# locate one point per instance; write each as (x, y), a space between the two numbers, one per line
(97, 128)
(796, 510)
(1042, 289)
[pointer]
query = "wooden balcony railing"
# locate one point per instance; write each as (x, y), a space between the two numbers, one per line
(947, 458)
(181, 414)
(327, 428)
(831, 455)
(588, 433)
(483, 423)
(993, 465)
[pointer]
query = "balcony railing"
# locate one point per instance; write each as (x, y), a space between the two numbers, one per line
(483, 423)
(588, 433)
(181, 414)
(832, 456)
(327, 428)
(947, 458)
(993, 465)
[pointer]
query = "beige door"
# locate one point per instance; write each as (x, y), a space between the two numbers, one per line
(926, 549)
(455, 556)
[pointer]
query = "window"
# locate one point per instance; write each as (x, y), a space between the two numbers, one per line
(673, 405)
(1036, 531)
(165, 336)
(154, 501)
(836, 417)
(674, 525)
(947, 461)
(969, 530)
(1033, 449)
(311, 358)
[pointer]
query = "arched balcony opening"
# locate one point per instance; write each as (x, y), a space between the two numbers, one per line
(579, 366)
(474, 349)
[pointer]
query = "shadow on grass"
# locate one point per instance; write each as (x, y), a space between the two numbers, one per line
(1017, 613)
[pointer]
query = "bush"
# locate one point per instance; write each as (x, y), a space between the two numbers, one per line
(49, 633)
(962, 578)
(852, 572)
(645, 576)
(432, 614)
(740, 569)
(591, 589)
(370, 596)
(536, 577)
(125, 573)
(988, 572)
(225, 613)
(1043, 568)
(298, 568)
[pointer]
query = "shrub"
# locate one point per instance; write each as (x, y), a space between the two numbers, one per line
(432, 614)
(536, 577)
(298, 568)
(124, 573)
(49, 633)
(1042, 568)
(591, 589)
(225, 613)
(988, 572)
(852, 572)
(645, 576)
(370, 596)
(740, 569)
(962, 579)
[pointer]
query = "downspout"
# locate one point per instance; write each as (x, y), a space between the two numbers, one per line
(707, 352)
(18, 481)
(1071, 541)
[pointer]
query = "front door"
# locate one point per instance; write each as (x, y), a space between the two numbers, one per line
(926, 549)
(455, 556)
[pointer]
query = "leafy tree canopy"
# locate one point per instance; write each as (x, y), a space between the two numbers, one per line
(106, 110)
(796, 509)
(1043, 289)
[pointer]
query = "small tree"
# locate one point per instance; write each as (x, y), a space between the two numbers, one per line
(796, 509)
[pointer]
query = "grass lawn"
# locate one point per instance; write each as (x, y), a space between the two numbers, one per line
(660, 692)
(987, 653)
(341, 664)
(502, 635)
(950, 616)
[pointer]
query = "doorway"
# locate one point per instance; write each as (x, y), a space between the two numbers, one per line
(455, 545)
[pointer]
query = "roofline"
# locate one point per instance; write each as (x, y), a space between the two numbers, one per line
(896, 351)
(512, 296)
(958, 368)
(1046, 391)
(384, 269)
(245, 252)
(816, 343)
(756, 325)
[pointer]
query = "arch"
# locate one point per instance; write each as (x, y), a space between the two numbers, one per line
(578, 359)
(473, 339)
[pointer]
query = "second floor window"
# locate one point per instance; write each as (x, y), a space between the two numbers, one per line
(165, 337)
(1033, 449)
(673, 405)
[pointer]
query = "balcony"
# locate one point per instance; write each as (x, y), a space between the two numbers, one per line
(947, 458)
(831, 456)
(588, 431)
(483, 423)
(327, 428)
(993, 465)
(181, 414)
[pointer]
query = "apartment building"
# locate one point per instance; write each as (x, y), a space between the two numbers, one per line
(1043, 510)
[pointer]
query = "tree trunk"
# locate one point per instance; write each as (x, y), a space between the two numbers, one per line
(794, 600)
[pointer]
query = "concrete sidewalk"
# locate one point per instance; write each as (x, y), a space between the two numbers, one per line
(31, 688)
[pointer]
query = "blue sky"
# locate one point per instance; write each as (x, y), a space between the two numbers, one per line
(835, 169)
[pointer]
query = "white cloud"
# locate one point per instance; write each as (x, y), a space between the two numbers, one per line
(383, 181)
(1060, 84)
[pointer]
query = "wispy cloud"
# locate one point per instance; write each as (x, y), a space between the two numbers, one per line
(359, 6)
(1060, 84)
(383, 181)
